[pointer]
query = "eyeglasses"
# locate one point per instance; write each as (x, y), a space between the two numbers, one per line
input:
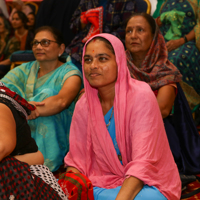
(43, 42)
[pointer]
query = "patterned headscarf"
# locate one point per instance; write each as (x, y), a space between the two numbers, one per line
(156, 69)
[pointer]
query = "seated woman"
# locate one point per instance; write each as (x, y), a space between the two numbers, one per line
(8, 45)
(117, 138)
(51, 86)
(18, 150)
(19, 23)
(31, 21)
(179, 24)
(147, 61)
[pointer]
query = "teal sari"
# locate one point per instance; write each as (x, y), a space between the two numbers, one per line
(50, 133)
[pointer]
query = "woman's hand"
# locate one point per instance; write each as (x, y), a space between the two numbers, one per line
(35, 113)
(174, 44)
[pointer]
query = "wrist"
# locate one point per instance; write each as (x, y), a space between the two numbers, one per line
(182, 40)
(185, 38)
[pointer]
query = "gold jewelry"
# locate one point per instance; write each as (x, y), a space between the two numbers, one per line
(107, 125)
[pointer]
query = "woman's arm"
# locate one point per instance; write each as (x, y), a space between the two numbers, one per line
(130, 188)
(174, 44)
(56, 104)
(5, 62)
(166, 96)
(7, 131)
(31, 158)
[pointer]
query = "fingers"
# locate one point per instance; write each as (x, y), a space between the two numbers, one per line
(34, 114)
(39, 103)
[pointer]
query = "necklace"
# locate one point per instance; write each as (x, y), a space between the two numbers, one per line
(107, 125)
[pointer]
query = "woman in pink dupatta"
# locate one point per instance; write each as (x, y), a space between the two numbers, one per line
(137, 163)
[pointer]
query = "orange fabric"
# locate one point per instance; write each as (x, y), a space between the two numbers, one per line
(95, 17)
(22, 40)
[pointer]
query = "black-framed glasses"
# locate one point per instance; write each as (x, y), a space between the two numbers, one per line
(43, 43)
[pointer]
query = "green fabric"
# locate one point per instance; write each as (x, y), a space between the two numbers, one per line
(175, 18)
(157, 11)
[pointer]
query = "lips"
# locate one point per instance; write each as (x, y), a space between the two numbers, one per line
(93, 74)
(134, 43)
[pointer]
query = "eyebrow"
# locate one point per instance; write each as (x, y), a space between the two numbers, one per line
(101, 54)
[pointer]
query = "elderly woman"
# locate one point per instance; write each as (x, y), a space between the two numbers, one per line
(20, 160)
(8, 45)
(147, 61)
(51, 86)
(117, 138)
(19, 23)
(179, 23)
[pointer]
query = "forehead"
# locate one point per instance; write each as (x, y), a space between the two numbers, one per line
(138, 21)
(31, 16)
(16, 15)
(97, 46)
(44, 35)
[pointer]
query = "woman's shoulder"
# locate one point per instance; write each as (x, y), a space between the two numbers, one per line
(141, 87)
(141, 93)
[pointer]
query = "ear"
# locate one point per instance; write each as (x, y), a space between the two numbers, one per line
(62, 49)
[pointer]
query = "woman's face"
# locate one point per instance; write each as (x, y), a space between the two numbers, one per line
(31, 20)
(46, 53)
(16, 21)
(2, 26)
(100, 65)
(138, 35)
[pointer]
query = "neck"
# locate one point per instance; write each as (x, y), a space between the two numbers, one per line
(46, 67)
(138, 59)
(21, 31)
(106, 96)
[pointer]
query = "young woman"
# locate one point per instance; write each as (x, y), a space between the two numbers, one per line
(19, 23)
(117, 137)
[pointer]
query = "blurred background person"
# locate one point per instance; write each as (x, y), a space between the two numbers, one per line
(31, 21)
(8, 45)
(18, 5)
(19, 23)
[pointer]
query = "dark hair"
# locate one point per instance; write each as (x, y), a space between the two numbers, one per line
(107, 43)
(6, 23)
(55, 32)
(151, 21)
(23, 17)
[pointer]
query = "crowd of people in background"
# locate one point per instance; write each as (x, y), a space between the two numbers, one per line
(110, 95)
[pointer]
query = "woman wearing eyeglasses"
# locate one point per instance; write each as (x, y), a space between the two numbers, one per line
(51, 86)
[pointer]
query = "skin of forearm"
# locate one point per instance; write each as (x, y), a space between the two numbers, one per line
(52, 105)
(191, 35)
(130, 188)
(31, 158)
(5, 62)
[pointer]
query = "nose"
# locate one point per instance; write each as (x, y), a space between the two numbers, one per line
(39, 46)
(133, 34)
(94, 64)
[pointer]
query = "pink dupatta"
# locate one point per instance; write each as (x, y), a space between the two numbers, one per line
(140, 135)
